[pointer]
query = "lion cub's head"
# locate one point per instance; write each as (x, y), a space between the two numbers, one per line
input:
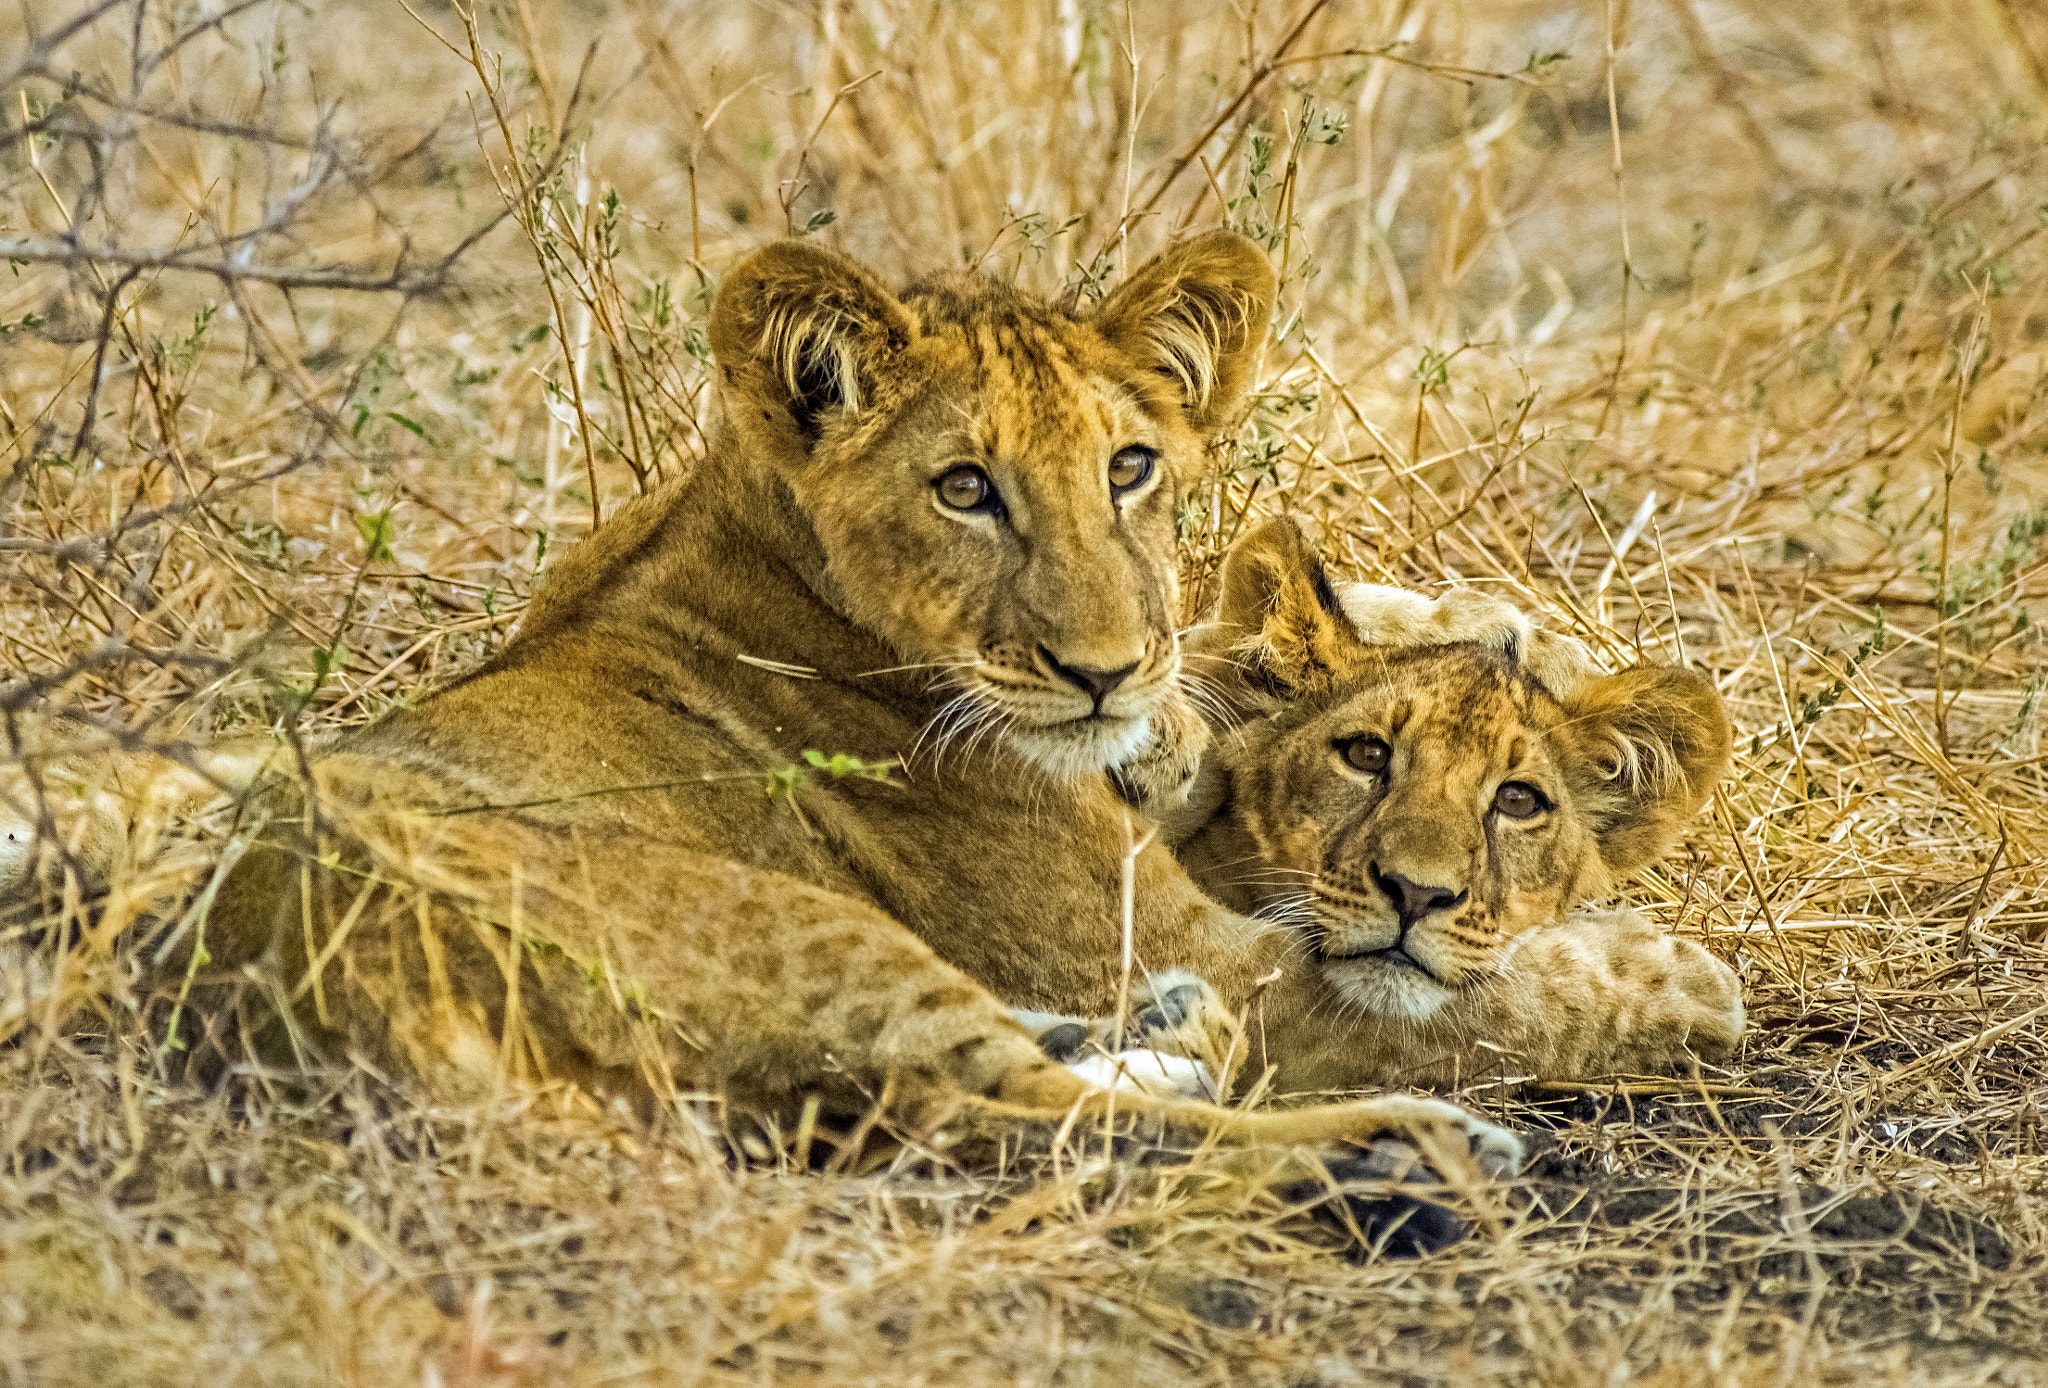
(988, 482)
(1416, 808)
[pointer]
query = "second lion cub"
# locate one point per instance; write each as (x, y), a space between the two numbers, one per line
(1424, 793)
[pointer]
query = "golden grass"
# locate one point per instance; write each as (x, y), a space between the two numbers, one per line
(1729, 350)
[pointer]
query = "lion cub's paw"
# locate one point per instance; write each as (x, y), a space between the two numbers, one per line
(1674, 999)
(1383, 1192)
(1386, 616)
(1176, 1010)
(1081, 1047)
(1174, 1016)
(1367, 1194)
(1661, 1000)
(1495, 1152)
(1155, 1073)
(1158, 778)
(1703, 1001)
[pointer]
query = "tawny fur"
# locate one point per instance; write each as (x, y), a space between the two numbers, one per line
(564, 868)
(1468, 696)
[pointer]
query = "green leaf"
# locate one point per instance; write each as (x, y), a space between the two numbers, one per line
(840, 765)
(377, 533)
(410, 425)
(784, 781)
(327, 662)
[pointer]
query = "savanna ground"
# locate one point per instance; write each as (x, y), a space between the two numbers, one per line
(1717, 330)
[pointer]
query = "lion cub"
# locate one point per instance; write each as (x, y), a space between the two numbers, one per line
(934, 531)
(1425, 791)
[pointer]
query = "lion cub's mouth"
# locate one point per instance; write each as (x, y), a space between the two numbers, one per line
(1393, 956)
(1079, 746)
(1387, 981)
(1056, 729)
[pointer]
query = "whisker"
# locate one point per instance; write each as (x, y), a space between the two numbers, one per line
(993, 720)
(967, 711)
(961, 664)
(1209, 697)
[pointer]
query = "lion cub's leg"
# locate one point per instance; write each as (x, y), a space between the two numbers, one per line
(1386, 616)
(1608, 992)
(773, 988)
(648, 972)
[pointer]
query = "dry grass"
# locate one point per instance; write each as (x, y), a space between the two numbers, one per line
(1734, 351)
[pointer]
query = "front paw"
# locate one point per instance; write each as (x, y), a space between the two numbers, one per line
(1606, 992)
(1703, 1003)
(1388, 616)
(1157, 779)
(1494, 1152)
(1466, 615)
(1675, 1002)
(1174, 1012)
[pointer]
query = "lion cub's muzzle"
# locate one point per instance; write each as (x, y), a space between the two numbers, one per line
(1075, 716)
(1383, 943)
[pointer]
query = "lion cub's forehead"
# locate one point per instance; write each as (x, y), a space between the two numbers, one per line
(1455, 695)
(1038, 373)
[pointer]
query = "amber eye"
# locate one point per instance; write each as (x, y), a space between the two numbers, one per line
(1131, 468)
(968, 489)
(1367, 754)
(1518, 801)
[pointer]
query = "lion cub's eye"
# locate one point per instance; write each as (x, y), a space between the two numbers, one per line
(1131, 468)
(1367, 754)
(968, 489)
(1519, 801)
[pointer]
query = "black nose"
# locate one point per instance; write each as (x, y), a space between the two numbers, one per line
(1412, 899)
(1097, 684)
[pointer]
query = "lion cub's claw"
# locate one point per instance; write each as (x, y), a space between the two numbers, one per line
(1172, 1007)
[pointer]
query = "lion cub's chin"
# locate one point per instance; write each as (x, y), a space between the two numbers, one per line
(1387, 989)
(1081, 746)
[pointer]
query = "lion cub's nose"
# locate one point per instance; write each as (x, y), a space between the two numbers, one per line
(1097, 684)
(1414, 900)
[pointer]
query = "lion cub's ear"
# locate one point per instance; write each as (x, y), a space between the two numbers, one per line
(1285, 627)
(1642, 750)
(1197, 314)
(800, 331)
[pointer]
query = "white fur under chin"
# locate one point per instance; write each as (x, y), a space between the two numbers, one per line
(1387, 990)
(1069, 751)
(1154, 1073)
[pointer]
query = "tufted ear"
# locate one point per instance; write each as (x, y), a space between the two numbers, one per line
(801, 332)
(1641, 751)
(1197, 314)
(1282, 617)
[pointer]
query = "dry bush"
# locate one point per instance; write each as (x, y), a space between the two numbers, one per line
(1711, 328)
